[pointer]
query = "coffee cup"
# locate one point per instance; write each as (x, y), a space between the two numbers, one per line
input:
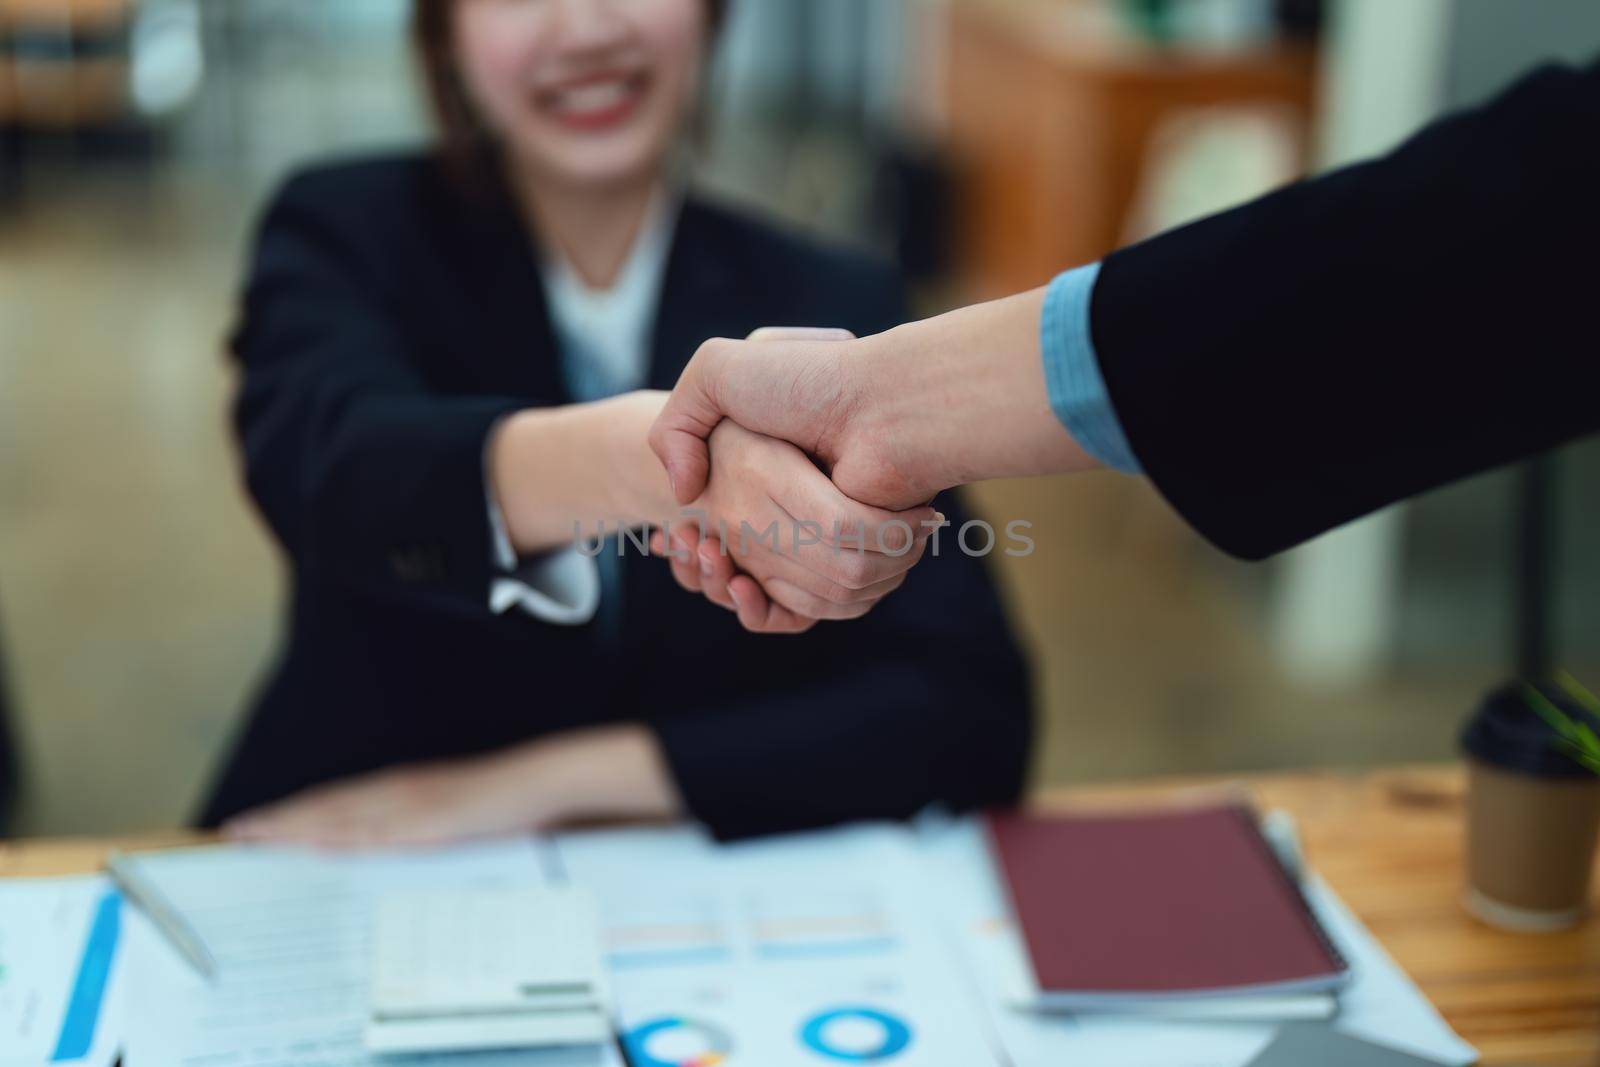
(1533, 816)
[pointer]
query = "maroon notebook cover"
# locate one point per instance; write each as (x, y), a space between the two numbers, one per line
(1168, 902)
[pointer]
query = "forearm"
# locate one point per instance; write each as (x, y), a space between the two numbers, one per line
(1274, 394)
(560, 471)
(609, 772)
(612, 772)
(961, 397)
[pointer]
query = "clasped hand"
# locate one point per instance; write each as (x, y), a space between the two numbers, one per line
(893, 419)
(835, 556)
(773, 539)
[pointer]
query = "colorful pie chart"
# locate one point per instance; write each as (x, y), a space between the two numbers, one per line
(673, 1041)
(856, 1035)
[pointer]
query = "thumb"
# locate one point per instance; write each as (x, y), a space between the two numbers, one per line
(678, 437)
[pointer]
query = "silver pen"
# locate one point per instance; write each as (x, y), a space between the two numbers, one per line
(144, 895)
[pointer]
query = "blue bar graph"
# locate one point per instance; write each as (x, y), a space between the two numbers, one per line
(89, 988)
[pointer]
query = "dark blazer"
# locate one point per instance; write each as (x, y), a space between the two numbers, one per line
(1350, 341)
(387, 323)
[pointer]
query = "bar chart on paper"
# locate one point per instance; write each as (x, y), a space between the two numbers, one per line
(799, 954)
(60, 952)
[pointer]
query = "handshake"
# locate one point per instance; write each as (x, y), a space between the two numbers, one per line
(801, 463)
(842, 442)
(798, 507)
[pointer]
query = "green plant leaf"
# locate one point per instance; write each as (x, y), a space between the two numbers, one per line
(1587, 739)
(1554, 716)
(1589, 760)
(1579, 694)
(1577, 740)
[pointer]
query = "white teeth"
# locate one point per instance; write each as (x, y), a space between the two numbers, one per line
(599, 96)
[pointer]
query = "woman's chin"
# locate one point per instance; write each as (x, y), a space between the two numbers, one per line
(596, 167)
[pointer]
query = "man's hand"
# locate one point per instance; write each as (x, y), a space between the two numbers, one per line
(893, 418)
(814, 388)
(779, 543)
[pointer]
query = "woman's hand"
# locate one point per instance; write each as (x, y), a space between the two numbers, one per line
(776, 541)
(608, 772)
(565, 471)
(412, 805)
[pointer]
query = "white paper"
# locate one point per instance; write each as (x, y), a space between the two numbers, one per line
(870, 944)
(801, 950)
(1380, 1004)
(292, 934)
(61, 959)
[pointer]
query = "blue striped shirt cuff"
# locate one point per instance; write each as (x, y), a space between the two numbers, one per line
(1072, 372)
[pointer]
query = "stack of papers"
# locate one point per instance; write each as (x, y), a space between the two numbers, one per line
(293, 935)
(883, 944)
(788, 952)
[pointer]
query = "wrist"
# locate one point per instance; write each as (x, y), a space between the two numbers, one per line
(602, 772)
(961, 398)
(639, 489)
(506, 475)
(526, 785)
(889, 443)
(557, 473)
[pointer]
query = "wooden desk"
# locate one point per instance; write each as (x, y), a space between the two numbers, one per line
(1389, 842)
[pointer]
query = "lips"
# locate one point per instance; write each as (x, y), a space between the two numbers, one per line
(595, 102)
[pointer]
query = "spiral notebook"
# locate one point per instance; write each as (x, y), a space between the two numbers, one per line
(1183, 909)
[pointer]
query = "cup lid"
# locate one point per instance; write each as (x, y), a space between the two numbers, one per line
(1505, 732)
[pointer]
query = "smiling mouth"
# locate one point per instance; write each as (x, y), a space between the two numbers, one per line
(594, 103)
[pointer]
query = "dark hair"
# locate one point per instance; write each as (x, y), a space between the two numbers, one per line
(465, 147)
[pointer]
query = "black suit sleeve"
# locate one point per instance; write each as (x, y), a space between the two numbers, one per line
(1352, 340)
(924, 701)
(366, 477)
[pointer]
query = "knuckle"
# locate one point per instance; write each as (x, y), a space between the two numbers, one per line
(711, 349)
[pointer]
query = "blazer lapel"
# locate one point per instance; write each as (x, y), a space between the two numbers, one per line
(519, 356)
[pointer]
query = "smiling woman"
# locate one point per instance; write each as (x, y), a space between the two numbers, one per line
(477, 107)
(446, 369)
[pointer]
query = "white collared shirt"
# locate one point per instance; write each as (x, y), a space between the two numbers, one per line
(604, 337)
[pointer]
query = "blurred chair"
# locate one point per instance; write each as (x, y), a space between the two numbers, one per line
(1053, 112)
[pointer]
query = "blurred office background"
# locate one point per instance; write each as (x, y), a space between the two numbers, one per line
(986, 143)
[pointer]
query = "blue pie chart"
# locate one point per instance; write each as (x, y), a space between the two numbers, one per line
(677, 1042)
(856, 1035)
